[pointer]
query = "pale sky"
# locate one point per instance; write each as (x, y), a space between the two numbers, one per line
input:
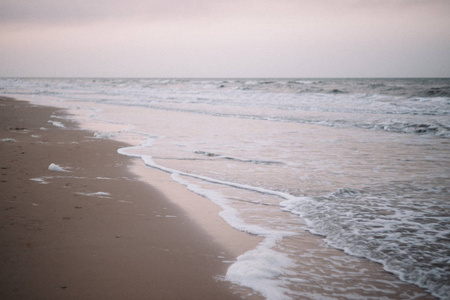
(225, 38)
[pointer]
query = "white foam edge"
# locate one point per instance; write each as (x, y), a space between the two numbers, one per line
(295, 206)
(261, 269)
(229, 214)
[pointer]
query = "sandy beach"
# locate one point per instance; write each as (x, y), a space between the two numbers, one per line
(92, 230)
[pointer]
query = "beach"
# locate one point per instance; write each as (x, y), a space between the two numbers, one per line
(87, 228)
(284, 150)
(274, 188)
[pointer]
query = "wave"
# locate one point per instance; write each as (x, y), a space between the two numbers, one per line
(250, 269)
(436, 129)
(416, 116)
(369, 222)
(406, 239)
(336, 91)
(253, 161)
(435, 92)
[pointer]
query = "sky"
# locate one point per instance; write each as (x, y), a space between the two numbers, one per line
(225, 38)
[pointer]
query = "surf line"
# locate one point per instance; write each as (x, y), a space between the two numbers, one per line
(270, 282)
(148, 160)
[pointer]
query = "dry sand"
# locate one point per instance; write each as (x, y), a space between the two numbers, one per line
(95, 231)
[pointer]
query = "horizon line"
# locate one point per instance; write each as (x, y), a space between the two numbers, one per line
(197, 78)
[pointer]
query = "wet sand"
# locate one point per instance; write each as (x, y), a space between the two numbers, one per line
(95, 231)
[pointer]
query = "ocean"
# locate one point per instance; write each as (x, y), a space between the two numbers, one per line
(330, 172)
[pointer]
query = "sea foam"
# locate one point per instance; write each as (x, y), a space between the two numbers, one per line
(57, 124)
(55, 168)
(263, 269)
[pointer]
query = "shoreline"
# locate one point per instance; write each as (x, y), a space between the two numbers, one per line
(192, 212)
(96, 231)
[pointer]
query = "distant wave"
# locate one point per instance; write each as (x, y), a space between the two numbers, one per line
(436, 129)
(336, 91)
(253, 161)
(435, 92)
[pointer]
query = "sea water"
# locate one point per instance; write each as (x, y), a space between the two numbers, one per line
(364, 164)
